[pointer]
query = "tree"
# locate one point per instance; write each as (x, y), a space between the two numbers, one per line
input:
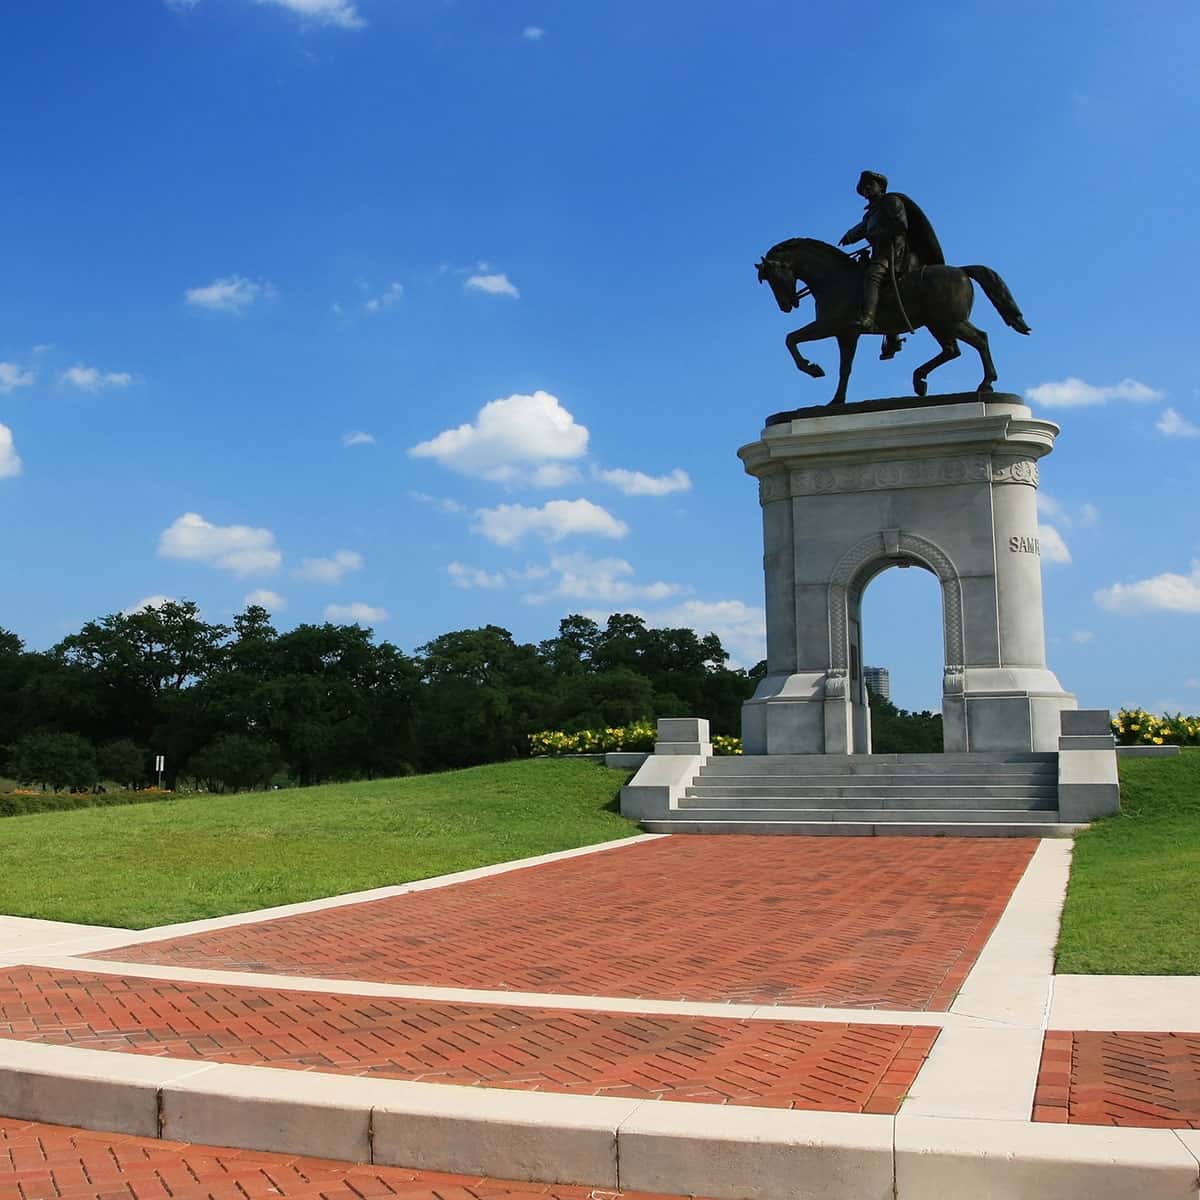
(897, 731)
(123, 762)
(57, 760)
(235, 761)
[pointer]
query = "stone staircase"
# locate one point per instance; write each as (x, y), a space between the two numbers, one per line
(1003, 794)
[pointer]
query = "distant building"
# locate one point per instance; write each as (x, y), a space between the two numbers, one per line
(877, 681)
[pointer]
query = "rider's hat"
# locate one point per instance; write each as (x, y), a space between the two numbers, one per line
(875, 175)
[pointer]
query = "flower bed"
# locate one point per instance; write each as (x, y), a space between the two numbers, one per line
(1136, 727)
(638, 736)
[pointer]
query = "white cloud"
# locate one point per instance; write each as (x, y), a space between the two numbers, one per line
(329, 570)
(636, 483)
(493, 285)
(358, 438)
(232, 294)
(355, 612)
(607, 580)
(13, 377)
(441, 503)
(92, 379)
(533, 33)
(1192, 682)
(1081, 637)
(1174, 424)
(1167, 592)
(507, 524)
(342, 13)
(241, 549)
(1089, 515)
(385, 299)
(552, 475)
(1075, 393)
(507, 437)
(155, 601)
(10, 460)
(265, 598)
(1054, 549)
(466, 577)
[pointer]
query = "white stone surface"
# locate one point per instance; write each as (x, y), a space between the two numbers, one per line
(949, 488)
(659, 783)
(1011, 980)
(503, 1133)
(755, 1153)
(265, 1108)
(1149, 1003)
(94, 1089)
(1010, 1160)
(981, 1072)
(23, 935)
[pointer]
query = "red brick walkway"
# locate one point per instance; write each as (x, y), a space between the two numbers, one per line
(851, 922)
(777, 1064)
(45, 1162)
(1139, 1079)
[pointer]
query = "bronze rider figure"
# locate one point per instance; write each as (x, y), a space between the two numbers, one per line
(901, 241)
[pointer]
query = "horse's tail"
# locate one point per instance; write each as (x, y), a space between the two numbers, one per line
(996, 290)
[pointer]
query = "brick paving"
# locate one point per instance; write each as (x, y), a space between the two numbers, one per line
(831, 1066)
(847, 922)
(45, 1162)
(1149, 1080)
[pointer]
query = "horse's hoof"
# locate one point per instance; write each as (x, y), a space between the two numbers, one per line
(815, 371)
(985, 387)
(920, 387)
(834, 402)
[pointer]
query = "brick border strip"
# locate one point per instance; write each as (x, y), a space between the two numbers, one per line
(640, 1145)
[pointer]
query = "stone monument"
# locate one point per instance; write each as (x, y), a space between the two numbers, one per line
(947, 484)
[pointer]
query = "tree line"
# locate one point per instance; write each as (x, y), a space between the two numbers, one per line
(241, 705)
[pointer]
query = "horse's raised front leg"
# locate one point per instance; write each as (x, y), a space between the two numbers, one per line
(950, 351)
(847, 344)
(814, 331)
(978, 340)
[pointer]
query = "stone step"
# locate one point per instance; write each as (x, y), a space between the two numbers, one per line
(830, 765)
(901, 803)
(946, 826)
(882, 816)
(734, 788)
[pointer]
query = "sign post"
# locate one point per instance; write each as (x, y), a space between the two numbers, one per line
(159, 763)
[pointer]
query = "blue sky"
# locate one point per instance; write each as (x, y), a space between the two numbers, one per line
(266, 264)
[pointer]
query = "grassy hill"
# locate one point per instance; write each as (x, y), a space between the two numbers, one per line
(205, 856)
(1134, 895)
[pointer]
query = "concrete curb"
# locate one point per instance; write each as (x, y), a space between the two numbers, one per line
(726, 1152)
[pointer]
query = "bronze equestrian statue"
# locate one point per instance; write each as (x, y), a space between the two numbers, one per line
(903, 283)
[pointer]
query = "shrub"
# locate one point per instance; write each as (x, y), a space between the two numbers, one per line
(1136, 727)
(638, 736)
(57, 760)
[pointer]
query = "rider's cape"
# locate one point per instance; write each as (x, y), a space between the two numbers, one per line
(921, 238)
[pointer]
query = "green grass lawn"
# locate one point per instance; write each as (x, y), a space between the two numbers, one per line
(1133, 906)
(204, 856)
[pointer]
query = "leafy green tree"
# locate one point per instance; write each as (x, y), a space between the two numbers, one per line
(122, 761)
(483, 695)
(56, 760)
(235, 761)
(897, 731)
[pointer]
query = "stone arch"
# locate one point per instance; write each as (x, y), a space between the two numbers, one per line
(882, 550)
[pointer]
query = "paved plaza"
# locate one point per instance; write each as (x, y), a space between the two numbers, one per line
(683, 1014)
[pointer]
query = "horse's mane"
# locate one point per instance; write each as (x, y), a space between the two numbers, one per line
(819, 249)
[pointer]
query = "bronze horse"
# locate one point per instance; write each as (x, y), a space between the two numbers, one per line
(939, 298)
